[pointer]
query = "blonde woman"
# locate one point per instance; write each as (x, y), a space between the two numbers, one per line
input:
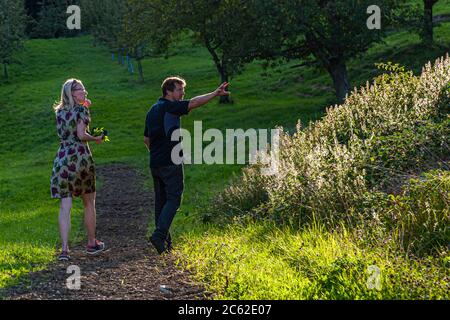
(73, 173)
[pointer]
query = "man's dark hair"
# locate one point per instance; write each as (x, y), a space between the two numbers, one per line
(169, 84)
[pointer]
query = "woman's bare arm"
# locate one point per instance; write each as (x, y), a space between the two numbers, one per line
(83, 135)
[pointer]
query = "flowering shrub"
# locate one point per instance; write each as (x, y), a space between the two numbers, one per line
(328, 169)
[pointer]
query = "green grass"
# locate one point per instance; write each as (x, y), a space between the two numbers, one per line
(28, 217)
(266, 261)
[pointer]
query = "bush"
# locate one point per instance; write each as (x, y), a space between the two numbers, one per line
(242, 195)
(393, 158)
(420, 216)
(326, 170)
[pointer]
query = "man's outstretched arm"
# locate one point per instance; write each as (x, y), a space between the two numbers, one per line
(204, 99)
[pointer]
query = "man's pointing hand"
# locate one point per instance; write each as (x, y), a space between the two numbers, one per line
(220, 91)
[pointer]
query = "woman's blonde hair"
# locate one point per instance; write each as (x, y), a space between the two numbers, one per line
(67, 100)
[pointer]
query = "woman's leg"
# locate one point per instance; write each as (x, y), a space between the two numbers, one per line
(64, 222)
(90, 216)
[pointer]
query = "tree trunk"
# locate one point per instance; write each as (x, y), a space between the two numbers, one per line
(220, 68)
(224, 78)
(141, 71)
(428, 21)
(120, 57)
(338, 71)
(5, 70)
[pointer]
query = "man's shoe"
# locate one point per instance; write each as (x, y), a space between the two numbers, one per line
(158, 244)
(97, 248)
(169, 247)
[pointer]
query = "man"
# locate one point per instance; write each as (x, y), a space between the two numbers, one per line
(162, 120)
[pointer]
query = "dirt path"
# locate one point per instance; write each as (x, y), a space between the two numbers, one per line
(131, 268)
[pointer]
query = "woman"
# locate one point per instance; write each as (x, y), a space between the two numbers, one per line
(73, 173)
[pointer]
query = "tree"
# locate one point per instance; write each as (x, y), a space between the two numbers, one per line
(427, 33)
(32, 10)
(222, 27)
(141, 30)
(12, 28)
(331, 32)
(103, 18)
(51, 17)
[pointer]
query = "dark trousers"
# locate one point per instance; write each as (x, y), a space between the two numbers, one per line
(168, 183)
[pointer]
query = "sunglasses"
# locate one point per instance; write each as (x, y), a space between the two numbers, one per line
(74, 88)
(79, 89)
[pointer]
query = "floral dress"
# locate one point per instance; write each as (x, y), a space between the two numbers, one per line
(73, 171)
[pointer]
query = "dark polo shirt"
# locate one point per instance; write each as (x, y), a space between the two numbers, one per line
(162, 119)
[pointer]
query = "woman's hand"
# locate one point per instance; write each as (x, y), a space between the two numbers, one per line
(87, 103)
(99, 139)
